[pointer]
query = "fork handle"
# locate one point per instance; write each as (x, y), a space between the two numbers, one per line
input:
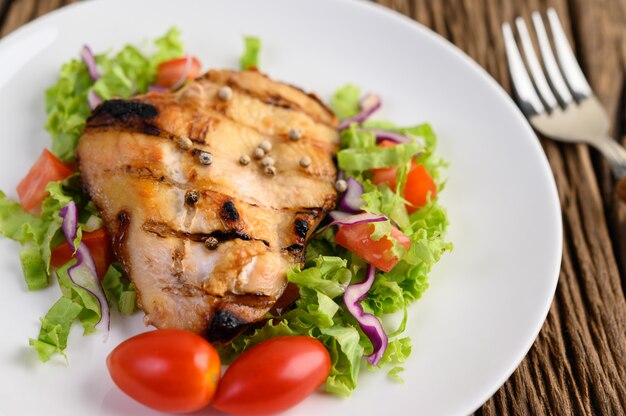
(616, 156)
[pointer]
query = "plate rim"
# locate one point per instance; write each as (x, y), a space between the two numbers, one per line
(552, 270)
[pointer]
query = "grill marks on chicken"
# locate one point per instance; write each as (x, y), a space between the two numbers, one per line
(208, 246)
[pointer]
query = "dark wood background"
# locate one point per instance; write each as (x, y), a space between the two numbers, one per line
(578, 363)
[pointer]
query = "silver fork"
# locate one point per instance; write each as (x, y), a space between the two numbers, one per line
(561, 106)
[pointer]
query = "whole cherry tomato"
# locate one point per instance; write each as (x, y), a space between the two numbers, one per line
(168, 370)
(273, 376)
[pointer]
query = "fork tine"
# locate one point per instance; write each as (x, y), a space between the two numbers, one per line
(535, 67)
(530, 102)
(554, 74)
(573, 74)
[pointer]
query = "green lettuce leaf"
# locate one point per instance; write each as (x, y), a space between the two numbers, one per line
(422, 131)
(397, 352)
(382, 200)
(59, 195)
(346, 352)
(271, 329)
(120, 290)
(55, 328)
(38, 234)
(394, 374)
(90, 313)
(67, 108)
(75, 303)
(250, 57)
(17, 224)
(125, 74)
(168, 46)
(34, 268)
(329, 276)
(354, 138)
(345, 101)
(323, 245)
(360, 159)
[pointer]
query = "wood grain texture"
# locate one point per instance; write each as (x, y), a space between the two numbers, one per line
(18, 13)
(578, 363)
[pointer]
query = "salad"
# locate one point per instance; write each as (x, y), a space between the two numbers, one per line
(370, 259)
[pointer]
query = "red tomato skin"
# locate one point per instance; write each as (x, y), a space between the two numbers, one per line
(169, 370)
(169, 72)
(32, 189)
(99, 244)
(273, 376)
(356, 238)
(419, 184)
(385, 175)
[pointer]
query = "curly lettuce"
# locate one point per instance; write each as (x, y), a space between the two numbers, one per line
(329, 268)
(345, 101)
(252, 49)
(37, 235)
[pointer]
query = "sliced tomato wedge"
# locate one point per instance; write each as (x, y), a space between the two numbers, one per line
(419, 185)
(356, 238)
(99, 244)
(32, 189)
(170, 72)
(385, 175)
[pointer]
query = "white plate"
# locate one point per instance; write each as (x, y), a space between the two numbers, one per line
(487, 299)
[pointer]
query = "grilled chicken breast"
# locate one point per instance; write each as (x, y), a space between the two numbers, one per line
(206, 237)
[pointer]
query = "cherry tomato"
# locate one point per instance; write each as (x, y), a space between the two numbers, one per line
(32, 189)
(419, 184)
(356, 238)
(99, 244)
(170, 72)
(168, 370)
(273, 376)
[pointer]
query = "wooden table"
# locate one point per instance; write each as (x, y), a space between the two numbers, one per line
(578, 363)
